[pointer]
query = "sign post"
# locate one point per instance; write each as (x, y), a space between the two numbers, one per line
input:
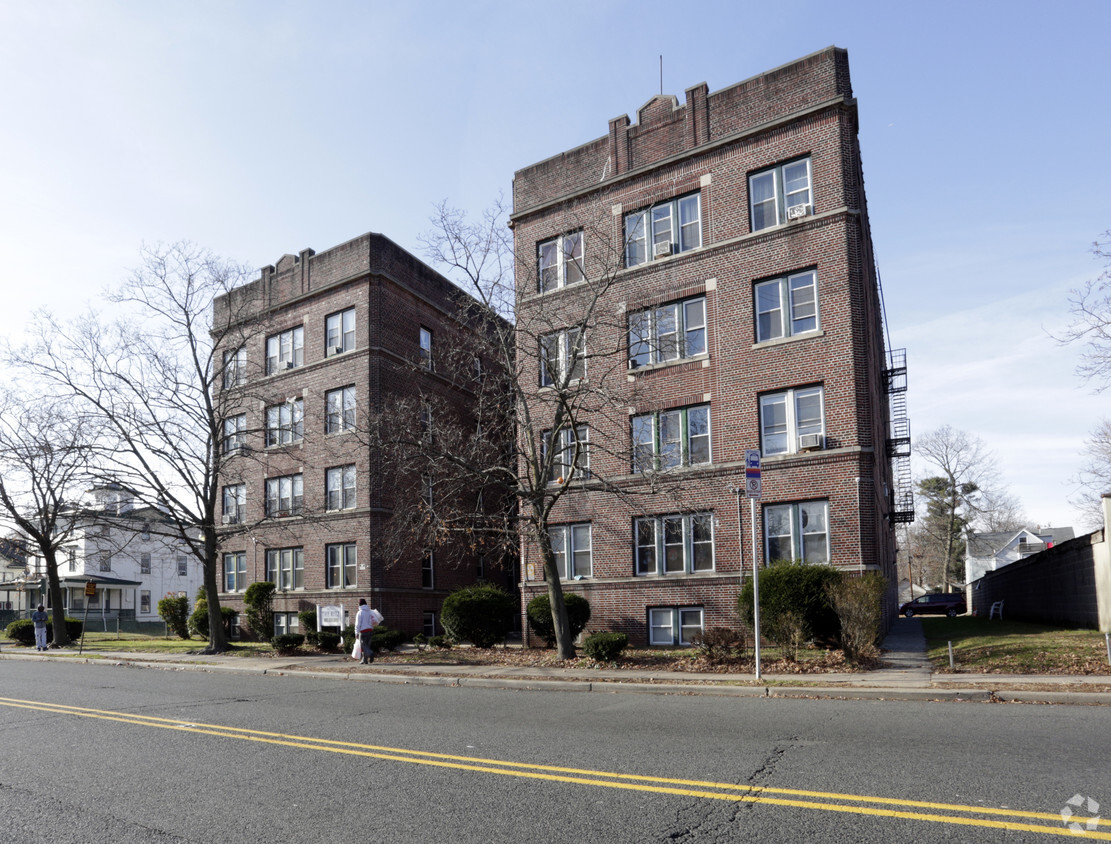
(752, 493)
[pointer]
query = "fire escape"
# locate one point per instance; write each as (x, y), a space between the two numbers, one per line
(898, 443)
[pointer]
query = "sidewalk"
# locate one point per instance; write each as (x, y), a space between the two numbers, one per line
(908, 676)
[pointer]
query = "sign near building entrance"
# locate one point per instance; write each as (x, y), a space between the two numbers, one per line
(752, 473)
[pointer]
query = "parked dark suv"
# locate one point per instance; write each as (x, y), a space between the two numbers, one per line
(949, 603)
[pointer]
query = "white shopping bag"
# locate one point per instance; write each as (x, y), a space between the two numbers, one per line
(357, 651)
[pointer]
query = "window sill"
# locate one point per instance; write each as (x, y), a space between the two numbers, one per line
(539, 293)
(675, 574)
(778, 341)
(703, 358)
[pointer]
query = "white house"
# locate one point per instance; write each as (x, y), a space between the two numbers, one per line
(986, 552)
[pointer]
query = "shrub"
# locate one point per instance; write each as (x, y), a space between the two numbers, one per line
(312, 636)
(481, 614)
(440, 641)
(22, 630)
(349, 637)
(328, 640)
(858, 602)
(307, 619)
(174, 610)
(198, 621)
(259, 601)
(605, 647)
(385, 639)
(721, 644)
(287, 642)
(539, 612)
(798, 592)
(420, 640)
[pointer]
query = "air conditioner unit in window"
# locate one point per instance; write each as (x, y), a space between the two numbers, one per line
(659, 250)
(337, 350)
(288, 365)
(807, 442)
(225, 520)
(797, 212)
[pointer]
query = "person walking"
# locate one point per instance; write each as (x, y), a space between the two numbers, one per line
(39, 617)
(364, 625)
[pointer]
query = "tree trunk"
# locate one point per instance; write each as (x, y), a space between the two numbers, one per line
(217, 637)
(565, 646)
(54, 584)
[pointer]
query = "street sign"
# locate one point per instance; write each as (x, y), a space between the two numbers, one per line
(752, 473)
(90, 589)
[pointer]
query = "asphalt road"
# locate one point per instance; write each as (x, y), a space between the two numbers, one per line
(94, 753)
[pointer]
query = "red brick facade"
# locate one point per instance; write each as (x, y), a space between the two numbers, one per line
(709, 147)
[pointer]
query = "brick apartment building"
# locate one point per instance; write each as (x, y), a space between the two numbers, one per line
(333, 338)
(742, 311)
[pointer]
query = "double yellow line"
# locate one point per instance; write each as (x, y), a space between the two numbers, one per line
(856, 804)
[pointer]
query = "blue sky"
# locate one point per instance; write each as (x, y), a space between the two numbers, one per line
(261, 128)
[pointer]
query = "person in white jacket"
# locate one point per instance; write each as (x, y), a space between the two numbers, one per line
(364, 626)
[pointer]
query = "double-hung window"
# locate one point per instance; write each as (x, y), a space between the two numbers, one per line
(284, 495)
(105, 560)
(144, 602)
(339, 332)
(797, 532)
(572, 452)
(235, 367)
(678, 544)
(235, 433)
(787, 306)
(428, 571)
(235, 571)
(285, 422)
(235, 503)
(562, 357)
(339, 410)
(668, 439)
(341, 565)
(791, 421)
(144, 563)
(425, 340)
(663, 229)
(572, 549)
(182, 565)
(285, 350)
(666, 333)
(674, 625)
(285, 568)
(560, 261)
(779, 193)
(339, 487)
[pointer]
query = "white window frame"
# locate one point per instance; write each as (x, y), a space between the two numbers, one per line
(235, 368)
(425, 342)
(667, 333)
(341, 565)
(676, 621)
(786, 306)
(669, 222)
(235, 433)
(783, 437)
(429, 623)
(286, 622)
(182, 565)
(144, 563)
(285, 350)
(428, 570)
(560, 261)
(568, 349)
(573, 549)
(771, 210)
(285, 422)
(288, 490)
(144, 602)
(339, 332)
(340, 410)
(339, 488)
(104, 560)
(235, 571)
(235, 502)
(285, 567)
(797, 518)
(655, 536)
(657, 436)
(567, 458)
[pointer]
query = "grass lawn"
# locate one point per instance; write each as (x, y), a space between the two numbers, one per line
(142, 643)
(1014, 647)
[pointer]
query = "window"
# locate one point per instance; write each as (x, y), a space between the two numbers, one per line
(341, 566)
(425, 421)
(426, 349)
(562, 357)
(477, 368)
(339, 410)
(339, 487)
(667, 333)
(571, 546)
(144, 601)
(772, 192)
(797, 532)
(235, 433)
(146, 530)
(285, 567)
(339, 332)
(235, 571)
(235, 503)
(285, 350)
(669, 439)
(286, 622)
(673, 625)
(285, 423)
(144, 564)
(678, 544)
(105, 559)
(426, 485)
(673, 226)
(284, 496)
(429, 626)
(787, 306)
(235, 367)
(428, 571)
(787, 417)
(71, 554)
(573, 452)
(561, 261)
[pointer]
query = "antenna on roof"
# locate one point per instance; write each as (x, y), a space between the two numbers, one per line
(661, 76)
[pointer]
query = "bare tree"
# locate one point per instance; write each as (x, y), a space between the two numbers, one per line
(1090, 306)
(1094, 477)
(998, 511)
(46, 453)
(158, 379)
